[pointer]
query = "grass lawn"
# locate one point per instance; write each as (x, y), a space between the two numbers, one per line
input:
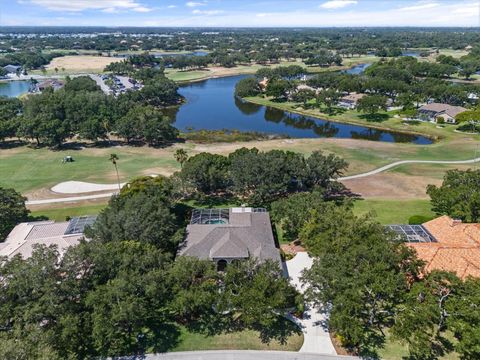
(60, 213)
(244, 340)
(394, 211)
(394, 350)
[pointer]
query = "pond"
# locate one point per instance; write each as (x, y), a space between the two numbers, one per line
(211, 105)
(14, 88)
(357, 69)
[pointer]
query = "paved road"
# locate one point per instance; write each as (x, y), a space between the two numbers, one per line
(316, 338)
(365, 174)
(236, 355)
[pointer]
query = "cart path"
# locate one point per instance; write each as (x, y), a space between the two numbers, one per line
(357, 176)
(403, 162)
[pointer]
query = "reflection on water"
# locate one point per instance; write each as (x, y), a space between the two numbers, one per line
(211, 105)
(14, 88)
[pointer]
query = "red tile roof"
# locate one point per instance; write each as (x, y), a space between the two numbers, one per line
(457, 248)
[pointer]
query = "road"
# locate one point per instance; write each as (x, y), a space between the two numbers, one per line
(351, 177)
(236, 355)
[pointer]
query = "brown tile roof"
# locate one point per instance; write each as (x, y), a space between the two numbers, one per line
(457, 248)
(353, 97)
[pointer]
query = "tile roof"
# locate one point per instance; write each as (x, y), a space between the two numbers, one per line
(457, 247)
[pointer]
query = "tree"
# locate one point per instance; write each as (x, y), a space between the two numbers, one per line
(256, 293)
(372, 104)
(290, 212)
(146, 215)
(464, 321)
(422, 318)
(12, 211)
(10, 108)
(322, 169)
(206, 172)
(359, 274)
(114, 159)
(278, 88)
(181, 156)
(247, 87)
(458, 196)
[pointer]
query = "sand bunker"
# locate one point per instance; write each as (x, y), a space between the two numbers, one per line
(80, 187)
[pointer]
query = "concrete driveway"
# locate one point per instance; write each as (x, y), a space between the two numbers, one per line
(316, 337)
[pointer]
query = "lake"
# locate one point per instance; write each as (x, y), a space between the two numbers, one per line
(211, 105)
(14, 88)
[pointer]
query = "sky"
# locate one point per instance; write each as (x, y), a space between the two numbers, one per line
(240, 13)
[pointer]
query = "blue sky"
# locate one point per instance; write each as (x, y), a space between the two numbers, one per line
(248, 13)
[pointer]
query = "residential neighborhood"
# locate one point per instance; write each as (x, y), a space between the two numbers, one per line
(240, 180)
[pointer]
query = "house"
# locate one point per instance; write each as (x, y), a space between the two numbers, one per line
(435, 111)
(350, 101)
(445, 244)
(53, 83)
(225, 235)
(24, 236)
(473, 97)
(12, 69)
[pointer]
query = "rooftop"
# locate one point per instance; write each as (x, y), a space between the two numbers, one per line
(443, 108)
(456, 247)
(24, 236)
(235, 233)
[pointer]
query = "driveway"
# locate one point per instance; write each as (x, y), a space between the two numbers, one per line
(316, 337)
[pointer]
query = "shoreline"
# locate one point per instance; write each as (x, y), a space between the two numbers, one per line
(325, 117)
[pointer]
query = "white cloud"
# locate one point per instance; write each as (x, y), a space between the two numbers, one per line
(195, 4)
(207, 12)
(108, 6)
(171, 6)
(338, 4)
(422, 5)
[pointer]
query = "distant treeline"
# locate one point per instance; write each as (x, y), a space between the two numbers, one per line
(82, 110)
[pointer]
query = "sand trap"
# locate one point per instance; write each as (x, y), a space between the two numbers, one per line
(79, 187)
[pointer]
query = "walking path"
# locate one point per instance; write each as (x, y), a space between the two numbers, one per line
(365, 174)
(398, 163)
(316, 338)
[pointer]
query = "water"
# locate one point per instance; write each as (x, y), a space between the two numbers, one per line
(211, 105)
(14, 88)
(357, 69)
(412, 53)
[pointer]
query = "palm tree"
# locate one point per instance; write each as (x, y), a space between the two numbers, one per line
(113, 159)
(181, 156)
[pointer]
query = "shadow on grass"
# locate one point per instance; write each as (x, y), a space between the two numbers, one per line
(280, 331)
(374, 117)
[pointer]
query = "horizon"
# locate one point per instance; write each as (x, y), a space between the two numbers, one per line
(242, 14)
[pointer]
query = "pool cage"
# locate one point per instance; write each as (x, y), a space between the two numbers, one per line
(412, 233)
(210, 216)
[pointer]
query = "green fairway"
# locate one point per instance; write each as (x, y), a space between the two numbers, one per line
(27, 169)
(394, 211)
(61, 213)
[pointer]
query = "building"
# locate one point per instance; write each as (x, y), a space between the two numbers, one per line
(435, 111)
(24, 236)
(445, 244)
(12, 69)
(53, 83)
(350, 101)
(225, 235)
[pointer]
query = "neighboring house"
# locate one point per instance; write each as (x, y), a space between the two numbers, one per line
(53, 83)
(24, 236)
(12, 69)
(225, 235)
(434, 111)
(473, 97)
(350, 101)
(445, 244)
